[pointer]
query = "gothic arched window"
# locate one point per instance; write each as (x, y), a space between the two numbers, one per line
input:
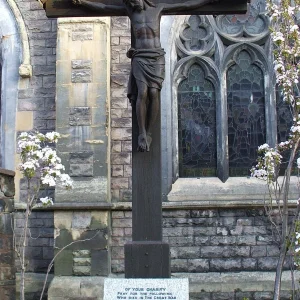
(197, 125)
(246, 114)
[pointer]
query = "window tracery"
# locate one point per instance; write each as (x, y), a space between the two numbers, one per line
(238, 47)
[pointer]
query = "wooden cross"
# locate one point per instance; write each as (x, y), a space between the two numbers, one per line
(146, 256)
(65, 8)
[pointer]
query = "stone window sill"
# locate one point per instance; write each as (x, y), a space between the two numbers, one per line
(212, 192)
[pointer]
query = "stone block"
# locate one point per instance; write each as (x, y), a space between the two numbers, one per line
(81, 220)
(181, 241)
(34, 252)
(179, 265)
(82, 254)
(119, 80)
(117, 171)
(126, 195)
(258, 251)
(81, 170)
(117, 252)
(246, 240)
(249, 264)
(188, 252)
(116, 146)
(254, 230)
(50, 43)
(81, 157)
(203, 213)
(128, 214)
(176, 231)
(128, 231)
(127, 113)
(263, 296)
(223, 296)
(120, 23)
(273, 250)
(43, 70)
(100, 263)
(92, 287)
(80, 116)
(121, 223)
(81, 64)
(39, 26)
(117, 232)
(119, 183)
(117, 266)
(7, 292)
(81, 270)
(225, 265)
(48, 252)
(119, 103)
(223, 240)
(201, 240)
(114, 41)
(121, 122)
(121, 158)
(82, 36)
(267, 263)
(126, 146)
(81, 76)
(63, 263)
(205, 231)
(232, 213)
(79, 261)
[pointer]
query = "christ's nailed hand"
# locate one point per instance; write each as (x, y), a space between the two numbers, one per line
(76, 2)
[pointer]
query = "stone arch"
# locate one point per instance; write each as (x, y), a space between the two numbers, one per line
(10, 61)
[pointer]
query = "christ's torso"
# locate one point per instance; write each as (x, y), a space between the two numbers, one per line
(146, 27)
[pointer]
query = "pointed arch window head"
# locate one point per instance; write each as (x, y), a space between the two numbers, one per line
(246, 113)
(197, 125)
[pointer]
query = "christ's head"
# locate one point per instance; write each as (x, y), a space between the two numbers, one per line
(138, 4)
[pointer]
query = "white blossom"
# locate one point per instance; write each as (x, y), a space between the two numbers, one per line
(46, 201)
(48, 180)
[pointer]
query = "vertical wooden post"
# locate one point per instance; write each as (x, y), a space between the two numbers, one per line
(147, 256)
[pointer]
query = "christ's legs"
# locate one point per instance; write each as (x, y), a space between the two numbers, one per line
(152, 112)
(141, 113)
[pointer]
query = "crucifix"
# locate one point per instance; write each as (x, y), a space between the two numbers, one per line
(147, 256)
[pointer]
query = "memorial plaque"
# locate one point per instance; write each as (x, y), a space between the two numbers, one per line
(146, 289)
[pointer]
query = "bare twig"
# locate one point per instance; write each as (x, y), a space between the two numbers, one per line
(62, 249)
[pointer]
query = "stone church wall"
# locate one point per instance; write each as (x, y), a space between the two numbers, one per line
(120, 111)
(36, 111)
(215, 240)
(201, 240)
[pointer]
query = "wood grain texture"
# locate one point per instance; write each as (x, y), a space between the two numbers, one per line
(147, 260)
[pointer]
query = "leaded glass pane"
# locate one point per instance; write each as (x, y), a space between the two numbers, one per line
(246, 114)
(284, 123)
(196, 125)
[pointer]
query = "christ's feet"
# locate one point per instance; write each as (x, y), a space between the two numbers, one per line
(144, 142)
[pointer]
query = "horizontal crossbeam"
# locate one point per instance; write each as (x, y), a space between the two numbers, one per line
(65, 8)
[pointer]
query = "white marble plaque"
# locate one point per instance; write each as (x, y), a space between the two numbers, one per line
(146, 289)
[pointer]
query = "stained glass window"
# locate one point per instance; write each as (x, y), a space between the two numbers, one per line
(246, 114)
(284, 123)
(196, 125)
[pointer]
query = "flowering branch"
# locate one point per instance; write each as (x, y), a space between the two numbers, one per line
(42, 168)
(285, 35)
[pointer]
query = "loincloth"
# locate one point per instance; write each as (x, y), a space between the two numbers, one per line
(147, 66)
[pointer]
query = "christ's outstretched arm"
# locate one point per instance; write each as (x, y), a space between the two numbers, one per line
(185, 5)
(98, 6)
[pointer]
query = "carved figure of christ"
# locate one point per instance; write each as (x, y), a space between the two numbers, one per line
(147, 56)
